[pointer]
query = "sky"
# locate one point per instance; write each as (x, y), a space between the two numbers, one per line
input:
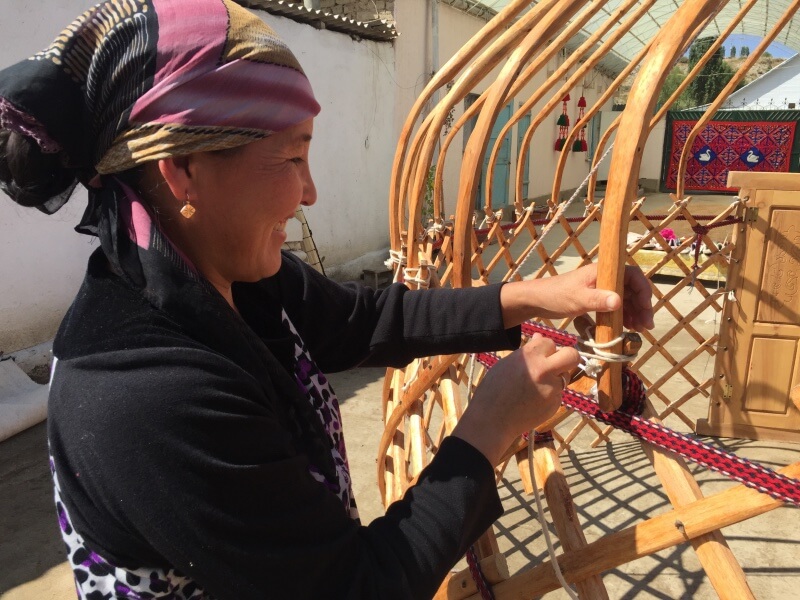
(740, 39)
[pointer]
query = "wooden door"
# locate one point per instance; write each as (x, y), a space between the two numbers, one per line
(758, 363)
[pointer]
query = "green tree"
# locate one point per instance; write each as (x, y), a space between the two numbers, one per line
(673, 80)
(732, 52)
(714, 75)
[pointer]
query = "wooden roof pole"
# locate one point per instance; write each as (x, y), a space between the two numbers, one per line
(412, 175)
(535, 67)
(599, 149)
(531, 22)
(522, 155)
(726, 91)
(560, 72)
(605, 48)
(623, 183)
(517, 86)
(472, 162)
(445, 74)
(562, 159)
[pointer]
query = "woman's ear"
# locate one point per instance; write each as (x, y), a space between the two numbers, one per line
(177, 174)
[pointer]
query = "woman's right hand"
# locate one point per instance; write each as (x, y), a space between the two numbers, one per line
(518, 393)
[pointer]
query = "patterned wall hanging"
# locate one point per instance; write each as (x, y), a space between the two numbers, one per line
(580, 145)
(563, 125)
(743, 141)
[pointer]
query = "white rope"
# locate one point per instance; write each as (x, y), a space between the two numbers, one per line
(540, 515)
(413, 377)
(411, 275)
(396, 257)
(561, 209)
(435, 228)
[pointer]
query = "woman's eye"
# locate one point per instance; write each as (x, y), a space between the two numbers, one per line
(297, 160)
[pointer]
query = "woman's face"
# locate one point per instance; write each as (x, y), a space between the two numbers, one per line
(244, 198)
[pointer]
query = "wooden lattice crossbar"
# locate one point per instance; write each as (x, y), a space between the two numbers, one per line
(612, 225)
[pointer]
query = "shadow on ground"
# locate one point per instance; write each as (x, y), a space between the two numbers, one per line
(31, 543)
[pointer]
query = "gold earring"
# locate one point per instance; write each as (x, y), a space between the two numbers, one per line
(188, 210)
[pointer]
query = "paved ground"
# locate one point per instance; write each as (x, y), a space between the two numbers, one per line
(614, 487)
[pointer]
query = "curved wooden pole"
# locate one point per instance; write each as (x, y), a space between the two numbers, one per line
(530, 71)
(445, 74)
(604, 49)
(622, 181)
(517, 86)
(552, 49)
(601, 145)
(599, 151)
(402, 405)
(723, 95)
(583, 50)
(562, 159)
(415, 186)
(544, 113)
(472, 163)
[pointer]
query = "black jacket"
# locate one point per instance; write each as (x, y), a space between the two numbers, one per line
(174, 447)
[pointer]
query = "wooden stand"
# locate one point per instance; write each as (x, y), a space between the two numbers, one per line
(759, 360)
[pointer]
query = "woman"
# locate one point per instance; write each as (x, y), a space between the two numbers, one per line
(197, 449)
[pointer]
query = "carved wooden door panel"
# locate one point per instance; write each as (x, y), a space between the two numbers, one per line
(759, 356)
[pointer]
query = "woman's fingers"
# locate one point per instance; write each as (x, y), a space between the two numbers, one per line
(564, 360)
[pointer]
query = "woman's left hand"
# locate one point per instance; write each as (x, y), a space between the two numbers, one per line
(575, 293)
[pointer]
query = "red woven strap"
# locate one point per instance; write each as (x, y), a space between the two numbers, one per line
(562, 338)
(539, 437)
(744, 471)
(477, 575)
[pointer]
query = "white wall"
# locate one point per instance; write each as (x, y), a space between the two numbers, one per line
(42, 259)
(653, 155)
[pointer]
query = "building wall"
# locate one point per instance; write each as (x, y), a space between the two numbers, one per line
(42, 259)
(776, 89)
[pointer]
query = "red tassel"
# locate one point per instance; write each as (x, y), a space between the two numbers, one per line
(566, 98)
(582, 102)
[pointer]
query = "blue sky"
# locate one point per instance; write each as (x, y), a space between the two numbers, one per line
(740, 39)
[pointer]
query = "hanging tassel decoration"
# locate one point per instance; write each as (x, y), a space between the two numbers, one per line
(563, 125)
(580, 144)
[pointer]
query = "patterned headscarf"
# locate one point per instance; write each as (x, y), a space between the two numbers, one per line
(132, 81)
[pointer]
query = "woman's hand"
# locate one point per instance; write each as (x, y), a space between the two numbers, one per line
(517, 394)
(575, 293)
